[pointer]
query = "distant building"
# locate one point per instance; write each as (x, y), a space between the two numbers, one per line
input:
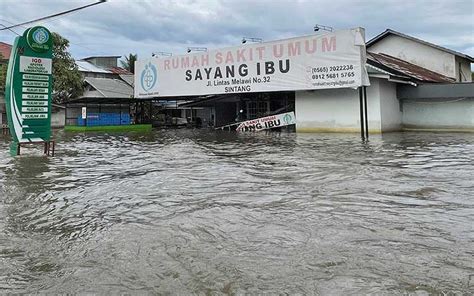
(5, 50)
(101, 67)
(415, 85)
(108, 88)
(433, 57)
(104, 79)
(105, 62)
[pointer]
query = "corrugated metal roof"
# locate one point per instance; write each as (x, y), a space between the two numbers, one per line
(398, 66)
(85, 66)
(105, 56)
(393, 32)
(128, 78)
(110, 88)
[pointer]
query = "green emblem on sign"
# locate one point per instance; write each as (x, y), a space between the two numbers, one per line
(288, 119)
(39, 39)
(28, 87)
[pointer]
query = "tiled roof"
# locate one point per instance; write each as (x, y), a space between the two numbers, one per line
(5, 50)
(118, 70)
(401, 67)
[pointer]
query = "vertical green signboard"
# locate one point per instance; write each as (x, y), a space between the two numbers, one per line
(28, 87)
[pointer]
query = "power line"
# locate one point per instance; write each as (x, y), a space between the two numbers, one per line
(53, 15)
(80, 45)
(10, 29)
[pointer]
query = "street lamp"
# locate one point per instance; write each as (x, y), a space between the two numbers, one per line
(322, 27)
(190, 49)
(161, 53)
(251, 39)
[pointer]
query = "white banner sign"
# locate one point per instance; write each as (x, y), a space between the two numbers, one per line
(268, 122)
(35, 65)
(331, 60)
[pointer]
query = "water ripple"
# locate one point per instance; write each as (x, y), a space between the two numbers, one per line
(220, 213)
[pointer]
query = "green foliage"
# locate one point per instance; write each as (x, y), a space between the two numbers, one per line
(68, 82)
(129, 63)
(3, 74)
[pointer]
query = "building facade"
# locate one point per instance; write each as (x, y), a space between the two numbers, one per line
(430, 56)
(399, 66)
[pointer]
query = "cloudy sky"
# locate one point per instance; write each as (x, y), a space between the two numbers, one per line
(119, 27)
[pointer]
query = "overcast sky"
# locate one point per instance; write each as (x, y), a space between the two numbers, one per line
(119, 27)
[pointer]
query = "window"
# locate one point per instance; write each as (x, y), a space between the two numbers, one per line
(256, 109)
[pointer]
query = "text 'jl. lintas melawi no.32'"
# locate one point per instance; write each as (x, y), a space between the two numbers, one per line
(309, 62)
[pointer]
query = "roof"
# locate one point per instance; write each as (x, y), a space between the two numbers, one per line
(109, 88)
(58, 106)
(400, 67)
(375, 69)
(128, 78)
(95, 57)
(119, 70)
(392, 32)
(85, 66)
(5, 50)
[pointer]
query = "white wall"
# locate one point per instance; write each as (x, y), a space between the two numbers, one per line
(391, 114)
(417, 53)
(58, 119)
(336, 110)
(448, 114)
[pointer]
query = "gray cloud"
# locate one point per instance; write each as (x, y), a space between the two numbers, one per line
(120, 26)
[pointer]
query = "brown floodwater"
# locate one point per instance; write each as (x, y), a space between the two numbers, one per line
(203, 212)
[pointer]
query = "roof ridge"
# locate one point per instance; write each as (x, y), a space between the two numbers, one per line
(403, 35)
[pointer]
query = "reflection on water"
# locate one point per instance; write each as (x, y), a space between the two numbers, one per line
(222, 213)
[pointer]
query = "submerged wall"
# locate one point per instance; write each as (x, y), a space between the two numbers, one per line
(337, 110)
(447, 114)
(447, 106)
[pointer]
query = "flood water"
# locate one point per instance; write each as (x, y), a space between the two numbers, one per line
(199, 212)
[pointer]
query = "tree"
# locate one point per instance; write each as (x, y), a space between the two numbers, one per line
(3, 74)
(129, 63)
(68, 82)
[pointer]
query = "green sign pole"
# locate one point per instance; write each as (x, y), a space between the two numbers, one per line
(28, 88)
